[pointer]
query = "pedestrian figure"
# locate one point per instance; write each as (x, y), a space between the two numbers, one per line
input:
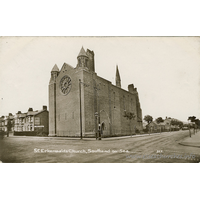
(189, 131)
(101, 131)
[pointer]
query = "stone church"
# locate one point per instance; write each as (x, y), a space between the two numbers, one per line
(81, 102)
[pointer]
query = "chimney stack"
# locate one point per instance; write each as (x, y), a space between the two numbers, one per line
(30, 109)
(44, 107)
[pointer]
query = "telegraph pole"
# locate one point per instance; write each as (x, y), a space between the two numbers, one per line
(80, 108)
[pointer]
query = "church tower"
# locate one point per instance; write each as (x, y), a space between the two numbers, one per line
(52, 100)
(54, 73)
(117, 78)
(90, 65)
(82, 59)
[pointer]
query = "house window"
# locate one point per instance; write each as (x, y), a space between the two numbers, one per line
(37, 121)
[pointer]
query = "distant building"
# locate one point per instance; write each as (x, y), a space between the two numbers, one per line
(32, 121)
(166, 125)
(7, 123)
(152, 126)
(103, 104)
(2, 123)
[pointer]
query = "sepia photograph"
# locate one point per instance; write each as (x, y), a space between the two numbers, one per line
(99, 99)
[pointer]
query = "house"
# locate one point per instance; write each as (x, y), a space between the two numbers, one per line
(32, 122)
(153, 126)
(2, 123)
(9, 122)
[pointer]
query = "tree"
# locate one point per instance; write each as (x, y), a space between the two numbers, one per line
(192, 118)
(197, 123)
(148, 119)
(174, 122)
(159, 120)
(180, 124)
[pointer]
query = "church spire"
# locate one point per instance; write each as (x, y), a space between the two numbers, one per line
(117, 78)
(82, 52)
(55, 69)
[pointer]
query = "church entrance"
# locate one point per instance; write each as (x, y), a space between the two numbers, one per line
(104, 129)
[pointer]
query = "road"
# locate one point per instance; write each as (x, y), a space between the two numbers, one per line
(155, 148)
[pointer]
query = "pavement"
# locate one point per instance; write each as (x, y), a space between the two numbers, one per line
(193, 141)
(86, 138)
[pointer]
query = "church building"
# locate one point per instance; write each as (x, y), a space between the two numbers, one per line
(80, 102)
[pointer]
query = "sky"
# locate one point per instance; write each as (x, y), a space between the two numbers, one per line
(165, 70)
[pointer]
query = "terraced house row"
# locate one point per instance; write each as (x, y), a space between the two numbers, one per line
(7, 122)
(28, 123)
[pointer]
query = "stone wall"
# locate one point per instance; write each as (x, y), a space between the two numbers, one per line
(112, 103)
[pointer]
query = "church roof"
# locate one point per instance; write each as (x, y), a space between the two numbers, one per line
(55, 68)
(82, 52)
